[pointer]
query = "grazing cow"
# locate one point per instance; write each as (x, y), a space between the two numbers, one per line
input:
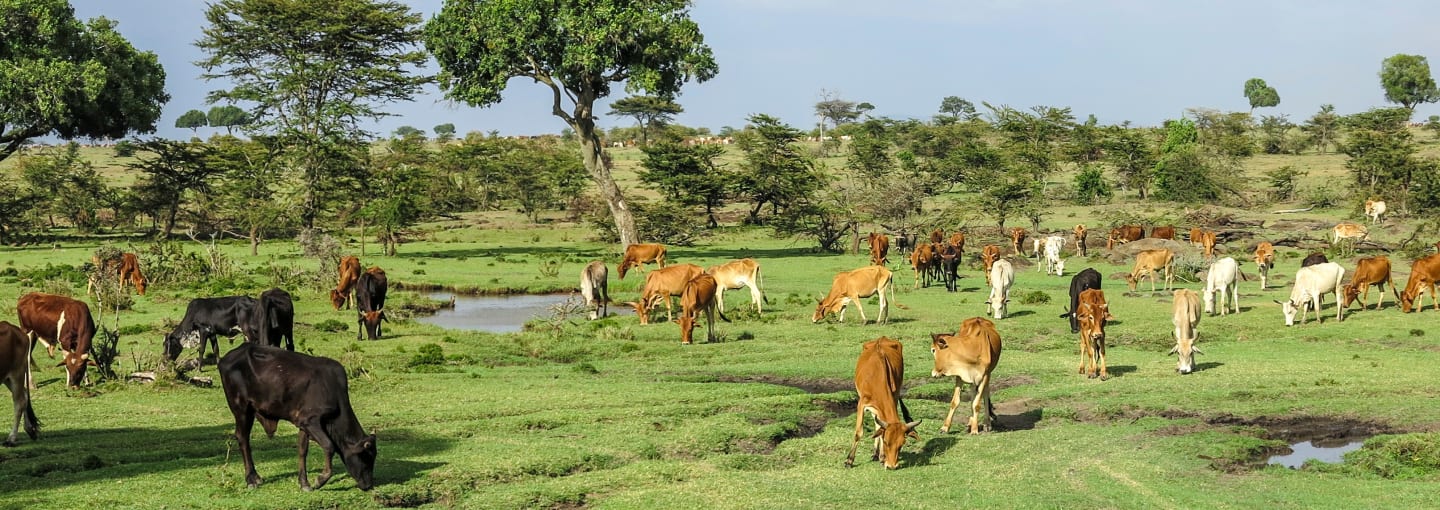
(698, 296)
(349, 274)
(637, 255)
(1311, 285)
(989, 255)
(662, 284)
(15, 373)
(1424, 271)
(1080, 240)
(1165, 232)
(272, 320)
(59, 321)
(1185, 314)
(1264, 261)
(970, 355)
(1149, 261)
(853, 286)
(370, 292)
(1196, 236)
(1002, 276)
(1124, 234)
(879, 374)
(1314, 258)
(1207, 242)
(126, 268)
(879, 249)
(1092, 314)
(206, 319)
(1373, 210)
(1349, 231)
(308, 391)
(1053, 263)
(921, 260)
(1017, 235)
(937, 236)
(1221, 279)
(949, 266)
(595, 288)
(1081, 282)
(1369, 271)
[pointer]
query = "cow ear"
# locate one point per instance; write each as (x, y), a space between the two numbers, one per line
(878, 431)
(1277, 301)
(368, 442)
(939, 340)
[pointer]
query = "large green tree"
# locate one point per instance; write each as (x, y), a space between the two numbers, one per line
(1323, 128)
(775, 170)
(249, 190)
(1131, 153)
(579, 50)
(71, 79)
(192, 120)
(312, 72)
(173, 169)
(1407, 81)
(648, 111)
(227, 116)
(1260, 94)
(687, 174)
(957, 108)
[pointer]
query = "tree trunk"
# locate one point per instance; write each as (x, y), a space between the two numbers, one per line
(254, 240)
(170, 219)
(609, 191)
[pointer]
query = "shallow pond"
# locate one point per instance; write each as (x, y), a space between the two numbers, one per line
(497, 314)
(1330, 451)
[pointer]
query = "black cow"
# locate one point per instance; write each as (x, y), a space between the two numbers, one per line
(272, 320)
(1082, 281)
(206, 319)
(370, 302)
(1314, 258)
(310, 392)
(949, 265)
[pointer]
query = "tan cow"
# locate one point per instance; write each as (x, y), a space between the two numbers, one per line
(970, 355)
(1196, 235)
(595, 288)
(1207, 242)
(921, 260)
(1080, 240)
(1264, 261)
(989, 255)
(1124, 234)
(349, 274)
(1369, 271)
(1349, 230)
(637, 255)
(1092, 314)
(1147, 262)
(1374, 209)
(1424, 272)
(660, 285)
(879, 249)
(852, 286)
(1185, 314)
(879, 374)
(1017, 235)
(736, 274)
(698, 296)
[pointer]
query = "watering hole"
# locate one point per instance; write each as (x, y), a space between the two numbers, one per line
(499, 314)
(1330, 451)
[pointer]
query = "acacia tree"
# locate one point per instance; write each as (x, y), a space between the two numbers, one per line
(576, 49)
(1323, 128)
(192, 120)
(958, 108)
(172, 168)
(227, 116)
(1407, 81)
(71, 79)
(687, 174)
(248, 191)
(648, 111)
(775, 171)
(1260, 94)
(311, 72)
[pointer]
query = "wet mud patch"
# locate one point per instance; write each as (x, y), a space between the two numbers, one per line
(809, 426)
(1289, 430)
(813, 386)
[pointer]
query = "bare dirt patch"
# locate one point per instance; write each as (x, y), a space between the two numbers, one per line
(822, 385)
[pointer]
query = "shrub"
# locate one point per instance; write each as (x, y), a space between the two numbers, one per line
(1034, 297)
(331, 326)
(661, 222)
(429, 354)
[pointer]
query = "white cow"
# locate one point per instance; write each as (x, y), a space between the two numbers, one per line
(1037, 247)
(1222, 279)
(1311, 284)
(1373, 209)
(1053, 264)
(1002, 275)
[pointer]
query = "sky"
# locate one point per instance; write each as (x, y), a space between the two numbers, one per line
(1138, 60)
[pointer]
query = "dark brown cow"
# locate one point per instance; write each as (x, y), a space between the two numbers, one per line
(1165, 232)
(310, 392)
(1124, 234)
(637, 255)
(879, 374)
(370, 292)
(1313, 259)
(349, 274)
(58, 320)
(15, 373)
(879, 249)
(1369, 271)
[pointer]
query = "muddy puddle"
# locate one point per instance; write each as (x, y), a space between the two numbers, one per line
(499, 314)
(1330, 451)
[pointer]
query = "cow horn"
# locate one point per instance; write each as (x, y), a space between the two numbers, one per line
(1197, 350)
(1277, 301)
(910, 429)
(879, 430)
(1173, 350)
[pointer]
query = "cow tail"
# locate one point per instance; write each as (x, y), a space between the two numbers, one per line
(904, 411)
(32, 423)
(760, 283)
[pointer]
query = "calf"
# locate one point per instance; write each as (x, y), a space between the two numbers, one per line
(1424, 272)
(1053, 263)
(698, 296)
(1221, 279)
(1347, 230)
(310, 392)
(1369, 271)
(272, 320)
(1092, 314)
(949, 266)
(595, 287)
(1185, 314)
(1314, 258)
(1082, 281)
(852, 286)
(1373, 210)
(1080, 233)
(736, 274)
(988, 256)
(1264, 261)
(970, 355)
(920, 261)
(349, 273)
(205, 320)
(1146, 263)
(1002, 276)
(59, 321)
(662, 284)
(1311, 285)
(15, 373)
(879, 249)
(126, 267)
(637, 255)
(370, 292)
(879, 374)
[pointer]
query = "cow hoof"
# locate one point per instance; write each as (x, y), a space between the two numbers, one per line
(1091, 376)
(306, 488)
(944, 430)
(1105, 377)
(849, 463)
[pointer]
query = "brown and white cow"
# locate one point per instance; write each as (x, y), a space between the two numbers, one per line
(595, 288)
(349, 274)
(15, 373)
(1348, 230)
(989, 255)
(852, 286)
(969, 355)
(637, 255)
(1264, 261)
(1185, 314)
(698, 296)
(879, 249)
(1369, 271)
(1163, 232)
(59, 321)
(1017, 236)
(1124, 234)
(736, 274)
(662, 284)
(1092, 314)
(1374, 209)
(1080, 233)
(1424, 272)
(1148, 262)
(879, 374)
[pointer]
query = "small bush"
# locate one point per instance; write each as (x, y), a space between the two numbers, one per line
(1397, 457)
(135, 329)
(331, 326)
(104, 351)
(429, 354)
(1034, 297)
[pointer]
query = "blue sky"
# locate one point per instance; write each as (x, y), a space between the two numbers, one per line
(1138, 60)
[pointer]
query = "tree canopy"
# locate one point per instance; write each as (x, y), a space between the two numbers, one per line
(1407, 81)
(192, 120)
(1260, 94)
(228, 117)
(648, 111)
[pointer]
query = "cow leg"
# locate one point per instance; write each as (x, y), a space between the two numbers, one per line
(954, 403)
(1235, 296)
(755, 296)
(1100, 350)
(303, 451)
(720, 297)
(244, 421)
(858, 306)
(1084, 354)
(859, 431)
(21, 397)
(710, 323)
(982, 396)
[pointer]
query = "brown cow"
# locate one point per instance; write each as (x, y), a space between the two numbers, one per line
(58, 320)
(126, 267)
(1092, 314)
(1147, 262)
(661, 284)
(937, 236)
(1264, 261)
(1017, 236)
(1369, 271)
(1080, 240)
(989, 255)
(1165, 232)
(1207, 241)
(1124, 234)
(852, 286)
(879, 249)
(698, 296)
(1196, 233)
(957, 240)
(1424, 271)
(921, 260)
(879, 373)
(736, 274)
(637, 255)
(15, 373)
(349, 274)
(970, 355)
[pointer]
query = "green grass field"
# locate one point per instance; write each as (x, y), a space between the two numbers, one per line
(611, 414)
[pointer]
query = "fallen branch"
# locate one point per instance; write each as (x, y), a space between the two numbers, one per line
(1283, 211)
